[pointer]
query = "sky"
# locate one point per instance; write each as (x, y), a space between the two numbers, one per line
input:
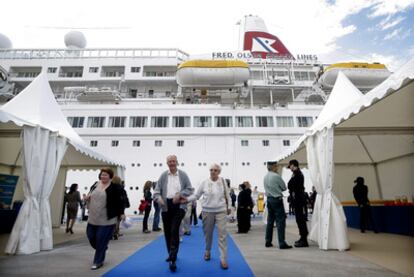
(335, 31)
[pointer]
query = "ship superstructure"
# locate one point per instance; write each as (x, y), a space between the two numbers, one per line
(238, 109)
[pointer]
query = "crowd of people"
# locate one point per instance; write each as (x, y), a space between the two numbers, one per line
(173, 197)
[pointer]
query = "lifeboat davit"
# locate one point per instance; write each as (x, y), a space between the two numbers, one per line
(212, 73)
(364, 76)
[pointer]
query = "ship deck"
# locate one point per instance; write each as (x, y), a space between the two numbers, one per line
(370, 254)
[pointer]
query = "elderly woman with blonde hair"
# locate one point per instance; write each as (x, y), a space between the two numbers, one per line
(215, 208)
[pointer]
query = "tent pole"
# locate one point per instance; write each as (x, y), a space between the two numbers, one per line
(13, 167)
(375, 167)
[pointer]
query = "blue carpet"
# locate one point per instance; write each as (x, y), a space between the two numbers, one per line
(150, 260)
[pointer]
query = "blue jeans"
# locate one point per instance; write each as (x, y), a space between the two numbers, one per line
(276, 212)
(156, 220)
(99, 237)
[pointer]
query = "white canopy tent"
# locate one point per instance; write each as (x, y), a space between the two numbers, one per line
(371, 136)
(37, 142)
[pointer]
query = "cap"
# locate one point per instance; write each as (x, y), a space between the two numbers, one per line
(271, 162)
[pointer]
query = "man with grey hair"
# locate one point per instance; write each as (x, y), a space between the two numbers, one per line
(274, 187)
(171, 191)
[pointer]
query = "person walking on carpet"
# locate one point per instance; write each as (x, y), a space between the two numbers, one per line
(105, 205)
(172, 188)
(215, 208)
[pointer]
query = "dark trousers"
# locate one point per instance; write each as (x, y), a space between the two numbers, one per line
(172, 220)
(156, 220)
(276, 212)
(99, 237)
(146, 216)
(366, 218)
(301, 220)
(193, 217)
(243, 219)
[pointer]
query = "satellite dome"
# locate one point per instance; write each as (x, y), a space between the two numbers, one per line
(75, 39)
(5, 42)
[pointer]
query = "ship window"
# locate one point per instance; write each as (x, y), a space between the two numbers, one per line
(286, 142)
(158, 143)
(301, 76)
(117, 121)
(138, 121)
(202, 121)
(244, 121)
(94, 69)
(265, 142)
(223, 121)
(93, 143)
(136, 143)
(51, 69)
(264, 121)
(159, 121)
(71, 71)
(180, 143)
(135, 69)
(96, 122)
(115, 143)
(304, 121)
(181, 121)
(76, 122)
(244, 143)
(284, 121)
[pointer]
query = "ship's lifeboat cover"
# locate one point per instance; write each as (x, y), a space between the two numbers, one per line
(364, 76)
(212, 73)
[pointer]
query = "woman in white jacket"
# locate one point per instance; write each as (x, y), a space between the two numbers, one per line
(215, 207)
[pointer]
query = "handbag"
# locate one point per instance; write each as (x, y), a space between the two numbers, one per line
(143, 205)
(225, 197)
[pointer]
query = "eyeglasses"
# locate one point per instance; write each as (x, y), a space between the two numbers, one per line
(213, 169)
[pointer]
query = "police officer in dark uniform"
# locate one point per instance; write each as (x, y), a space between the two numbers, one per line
(297, 191)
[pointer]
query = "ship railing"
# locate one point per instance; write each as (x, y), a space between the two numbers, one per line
(93, 53)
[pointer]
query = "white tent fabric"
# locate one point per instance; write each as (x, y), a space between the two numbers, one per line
(328, 226)
(371, 131)
(43, 153)
(343, 94)
(46, 137)
(55, 152)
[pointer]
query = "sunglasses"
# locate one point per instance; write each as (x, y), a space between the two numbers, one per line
(216, 170)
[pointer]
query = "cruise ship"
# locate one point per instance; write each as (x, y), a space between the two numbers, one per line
(137, 105)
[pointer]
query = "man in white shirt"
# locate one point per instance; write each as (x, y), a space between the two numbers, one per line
(173, 187)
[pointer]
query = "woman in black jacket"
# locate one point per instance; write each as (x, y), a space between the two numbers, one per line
(148, 199)
(105, 206)
(244, 208)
